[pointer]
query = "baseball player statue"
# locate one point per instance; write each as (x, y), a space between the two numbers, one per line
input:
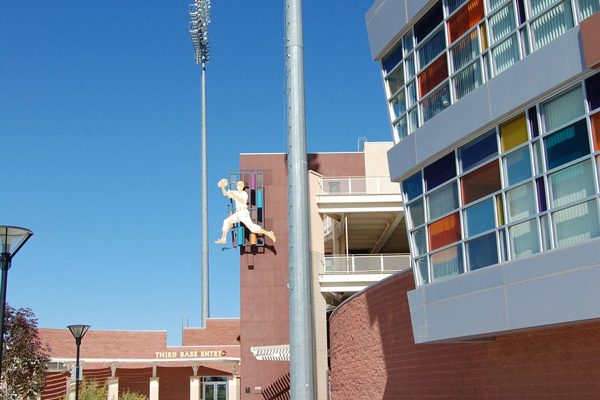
(241, 214)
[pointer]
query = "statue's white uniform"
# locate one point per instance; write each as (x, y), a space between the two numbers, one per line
(241, 213)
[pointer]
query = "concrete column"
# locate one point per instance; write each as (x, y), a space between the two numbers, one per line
(154, 388)
(195, 387)
(233, 387)
(71, 389)
(113, 388)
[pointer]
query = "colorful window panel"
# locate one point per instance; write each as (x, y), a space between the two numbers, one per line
(502, 23)
(433, 75)
(479, 218)
(595, 120)
(392, 58)
(437, 102)
(395, 80)
(572, 184)
(429, 22)
(482, 252)
(478, 151)
(562, 109)
(432, 48)
(465, 50)
(592, 89)
(521, 202)
(518, 166)
(454, 4)
(513, 133)
(576, 224)
(413, 186)
(552, 24)
(533, 122)
(480, 182)
(440, 171)
(587, 8)
(567, 144)
(442, 200)
(416, 213)
(447, 263)
(524, 240)
(466, 18)
(444, 231)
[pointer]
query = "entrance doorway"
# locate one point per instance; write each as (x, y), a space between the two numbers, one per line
(214, 388)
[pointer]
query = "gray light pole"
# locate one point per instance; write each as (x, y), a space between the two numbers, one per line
(301, 324)
(12, 238)
(200, 18)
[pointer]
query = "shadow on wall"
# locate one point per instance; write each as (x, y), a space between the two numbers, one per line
(278, 390)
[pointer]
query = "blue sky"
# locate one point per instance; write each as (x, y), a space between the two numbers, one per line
(100, 142)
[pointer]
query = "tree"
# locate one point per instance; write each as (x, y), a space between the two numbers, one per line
(25, 356)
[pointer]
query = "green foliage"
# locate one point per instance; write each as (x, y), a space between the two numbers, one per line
(24, 357)
(90, 390)
(132, 396)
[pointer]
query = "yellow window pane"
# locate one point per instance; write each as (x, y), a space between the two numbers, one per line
(484, 42)
(500, 210)
(513, 132)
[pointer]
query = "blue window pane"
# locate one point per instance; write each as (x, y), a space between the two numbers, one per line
(392, 58)
(416, 213)
(480, 218)
(518, 166)
(413, 186)
(440, 171)
(432, 48)
(429, 22)
(482, 251)
(567, 144)
(478, 151)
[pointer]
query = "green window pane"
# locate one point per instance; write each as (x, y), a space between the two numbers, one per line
(524, 240)
(576, 224)
(480, 217)
(521, 202)
(502, 23)
(506, 54)
(468, 80)
(420, 239)
(572, 184)
(422, 271)
(537, 6)
(398, 104)
(395, 80)
(564, 108)
(587, 8)
(552, 24)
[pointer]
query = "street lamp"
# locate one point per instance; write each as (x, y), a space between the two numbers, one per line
(78, 331)
(12, 238)
(200, 18)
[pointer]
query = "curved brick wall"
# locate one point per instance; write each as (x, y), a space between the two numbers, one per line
(373, 356)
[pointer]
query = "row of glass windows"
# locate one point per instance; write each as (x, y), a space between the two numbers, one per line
(528, 185)
(459, 44)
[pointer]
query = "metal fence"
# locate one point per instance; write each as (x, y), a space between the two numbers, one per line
(359, 185)
(365, 264)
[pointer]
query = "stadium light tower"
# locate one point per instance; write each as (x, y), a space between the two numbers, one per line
(200, 18)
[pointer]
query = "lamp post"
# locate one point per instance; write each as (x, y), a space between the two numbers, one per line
(78, 331)
(12, 238)
(200, 18)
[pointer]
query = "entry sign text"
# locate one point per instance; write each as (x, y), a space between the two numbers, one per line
(190, 354)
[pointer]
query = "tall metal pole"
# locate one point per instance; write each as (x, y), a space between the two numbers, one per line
(300, 294)
(5, 260)
(200, 18)
(77, 373)
(205, 298)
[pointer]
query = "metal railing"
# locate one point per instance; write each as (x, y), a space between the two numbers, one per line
(365, 264)
(359, 185)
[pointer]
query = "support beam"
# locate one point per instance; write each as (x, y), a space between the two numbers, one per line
(391, 227)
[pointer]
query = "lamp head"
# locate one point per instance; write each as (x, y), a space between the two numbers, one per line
(78, 331)
(12, 238)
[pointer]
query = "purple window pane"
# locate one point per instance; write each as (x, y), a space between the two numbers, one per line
(533, 121)
(592, 88)
(440, 171)
(541, 192)
(521, 8)
(429, 22)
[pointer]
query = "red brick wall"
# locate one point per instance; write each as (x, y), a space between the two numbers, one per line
(216, 332)
(134, 380)
(373, 356)
(55, 386)
(264, 310)
(105, 344)
(174, 383)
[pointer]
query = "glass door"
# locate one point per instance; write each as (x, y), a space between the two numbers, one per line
(215, 391)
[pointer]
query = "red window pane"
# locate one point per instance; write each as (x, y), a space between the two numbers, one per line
(435, 73)
(444, 231)
(596, 130)
(466, 18)
(481, 182)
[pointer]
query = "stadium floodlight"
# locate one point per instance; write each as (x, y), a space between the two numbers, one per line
(200, 18)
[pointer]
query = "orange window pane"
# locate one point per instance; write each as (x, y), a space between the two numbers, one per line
(596, 130)
(466, 18)
(444, 231)
(513, 132)
(481, 182)
(435, 73)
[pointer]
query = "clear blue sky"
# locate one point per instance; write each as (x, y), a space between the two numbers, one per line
(100, 143)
